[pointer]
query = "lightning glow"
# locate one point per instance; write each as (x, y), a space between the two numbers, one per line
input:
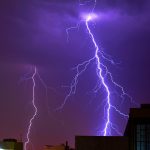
(35, 109)
(88, 17)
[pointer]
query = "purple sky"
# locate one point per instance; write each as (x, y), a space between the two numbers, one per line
(33, 32)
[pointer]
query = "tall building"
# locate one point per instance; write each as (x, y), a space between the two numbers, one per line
(11, 144)
(136, 136)
(138, 128)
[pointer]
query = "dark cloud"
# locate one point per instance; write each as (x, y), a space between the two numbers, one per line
(130, 7)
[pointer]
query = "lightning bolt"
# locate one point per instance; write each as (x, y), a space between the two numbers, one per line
(34, 74)
(102, 73)
(35, 109)
(100, 76)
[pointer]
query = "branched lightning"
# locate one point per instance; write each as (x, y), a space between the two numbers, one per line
(102, 74)
(80, 68)
(71, 28)
(99, 68)
(35, 109)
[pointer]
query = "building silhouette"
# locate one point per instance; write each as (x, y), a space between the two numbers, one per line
(101, 143)
(11, 144)
(136, 135)
(138, 128)
(57, 147)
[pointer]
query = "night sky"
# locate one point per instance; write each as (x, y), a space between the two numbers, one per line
(33, 33)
